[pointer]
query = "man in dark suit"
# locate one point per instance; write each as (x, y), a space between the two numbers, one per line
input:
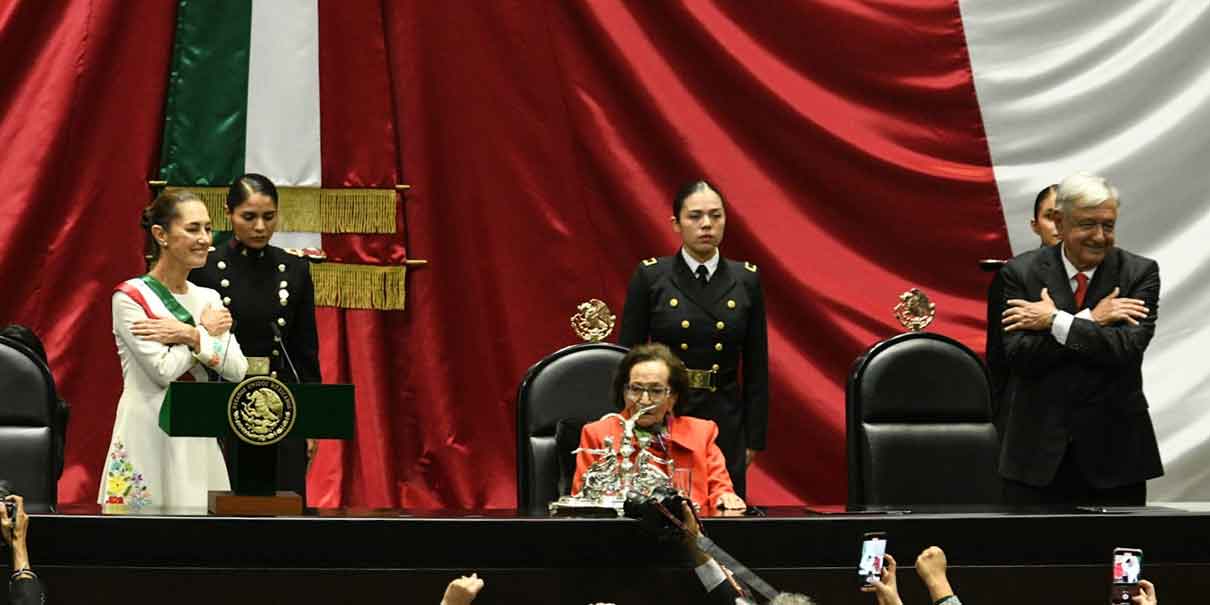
(1043, 225)
(1079, 316)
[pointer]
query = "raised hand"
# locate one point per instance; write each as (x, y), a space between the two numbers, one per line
(165, 330)
(216, 321)
(1025, 315)
(462, 590)
(1112, 310)
(885, 587)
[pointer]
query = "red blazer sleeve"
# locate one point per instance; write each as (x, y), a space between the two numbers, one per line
(718, 482)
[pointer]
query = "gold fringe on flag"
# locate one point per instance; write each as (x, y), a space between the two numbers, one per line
(359, 286)
(315, 210)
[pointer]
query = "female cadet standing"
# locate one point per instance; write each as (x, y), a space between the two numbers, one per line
(272, 300)
(710, 311)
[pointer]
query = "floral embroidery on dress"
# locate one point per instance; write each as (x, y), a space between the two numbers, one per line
(123, 485)
(216, 347)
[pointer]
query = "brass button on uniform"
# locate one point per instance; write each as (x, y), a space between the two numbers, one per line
(685, 323)
(224, 283)
(276, 352)
(283, 285)
(684, 346)
(227, 301)
(730, 304)
(222, 264)
(281, 267)
(714, 367)
(718, 346)
(674, 302)
(281, 322)
(720, 325)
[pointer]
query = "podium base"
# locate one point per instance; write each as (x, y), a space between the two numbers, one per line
(233, 504)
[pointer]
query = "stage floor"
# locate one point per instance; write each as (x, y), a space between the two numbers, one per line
(399, 556)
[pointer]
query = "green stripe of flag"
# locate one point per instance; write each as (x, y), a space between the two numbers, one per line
(206, 109)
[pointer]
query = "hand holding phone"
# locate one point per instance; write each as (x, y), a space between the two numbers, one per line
(1127, 569)
(873, 557)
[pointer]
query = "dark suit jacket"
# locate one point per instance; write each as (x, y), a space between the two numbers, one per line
(1087, 394)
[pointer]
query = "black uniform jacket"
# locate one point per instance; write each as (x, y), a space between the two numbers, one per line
(1088, 394)
(267, 286)
(720, 326)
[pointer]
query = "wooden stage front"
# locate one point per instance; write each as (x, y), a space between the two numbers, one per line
(408, 556)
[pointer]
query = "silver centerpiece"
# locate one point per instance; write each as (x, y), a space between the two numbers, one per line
(617, 472)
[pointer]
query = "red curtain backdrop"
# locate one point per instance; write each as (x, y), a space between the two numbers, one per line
(542, 141)
(81, 93)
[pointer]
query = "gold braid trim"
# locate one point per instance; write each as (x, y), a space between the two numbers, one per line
(315, 210)
(359, 286)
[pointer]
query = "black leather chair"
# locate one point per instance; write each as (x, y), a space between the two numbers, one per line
(918, 426)
(558, 396)
(27, 426)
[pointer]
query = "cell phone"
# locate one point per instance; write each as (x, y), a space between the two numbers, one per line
(873, 557)
(1127, 569)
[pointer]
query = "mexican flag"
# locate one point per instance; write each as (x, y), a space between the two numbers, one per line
(1119, 89)
(249, 92)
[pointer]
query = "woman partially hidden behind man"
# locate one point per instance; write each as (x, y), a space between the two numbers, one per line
(167, 329)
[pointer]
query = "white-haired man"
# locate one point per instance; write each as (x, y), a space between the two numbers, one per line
(1078, 318)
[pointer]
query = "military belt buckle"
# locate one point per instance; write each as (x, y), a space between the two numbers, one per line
(258, 366)
(703, 379)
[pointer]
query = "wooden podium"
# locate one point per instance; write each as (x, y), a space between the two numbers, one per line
(200, 409)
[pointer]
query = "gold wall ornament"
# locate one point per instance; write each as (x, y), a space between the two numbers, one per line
(261, 410)
(915, 311)
(593, 320)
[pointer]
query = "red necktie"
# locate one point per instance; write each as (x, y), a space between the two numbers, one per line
(1081, 289)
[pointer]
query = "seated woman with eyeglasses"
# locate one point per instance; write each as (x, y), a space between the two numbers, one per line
(651, 375)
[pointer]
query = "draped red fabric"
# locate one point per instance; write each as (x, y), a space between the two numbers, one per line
(357, 134)
(542, 141)
(81, 97)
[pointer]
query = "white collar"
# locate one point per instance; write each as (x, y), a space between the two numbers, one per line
(1070, 268)
(711, 265)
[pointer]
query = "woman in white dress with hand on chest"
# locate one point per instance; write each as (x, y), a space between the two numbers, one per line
(167, 329)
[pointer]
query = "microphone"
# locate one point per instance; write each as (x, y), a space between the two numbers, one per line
(282, 341)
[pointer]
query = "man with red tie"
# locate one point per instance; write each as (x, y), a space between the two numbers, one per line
(1078, 318)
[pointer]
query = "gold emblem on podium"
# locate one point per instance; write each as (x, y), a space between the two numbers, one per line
(261, 410)
(593, 320)
(915, 311)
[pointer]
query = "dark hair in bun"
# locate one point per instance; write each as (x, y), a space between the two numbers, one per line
(248, 185)
(160, 212)
(690, 188)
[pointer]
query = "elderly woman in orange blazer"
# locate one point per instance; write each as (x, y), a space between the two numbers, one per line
(651, 374)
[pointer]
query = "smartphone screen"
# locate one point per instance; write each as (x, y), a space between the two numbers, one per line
(1127, 568)
(873, 554)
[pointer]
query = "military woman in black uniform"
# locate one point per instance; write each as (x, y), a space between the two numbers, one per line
(266, 287)
(711, 312)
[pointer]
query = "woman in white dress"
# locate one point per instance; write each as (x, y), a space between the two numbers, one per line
(167, 329)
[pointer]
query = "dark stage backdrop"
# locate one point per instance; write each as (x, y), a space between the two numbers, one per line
(543, 141)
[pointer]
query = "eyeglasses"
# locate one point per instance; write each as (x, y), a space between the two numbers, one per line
(657, 394)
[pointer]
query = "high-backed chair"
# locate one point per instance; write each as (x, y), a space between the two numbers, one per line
(27, 426)
(918, 425)
(570, 387)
